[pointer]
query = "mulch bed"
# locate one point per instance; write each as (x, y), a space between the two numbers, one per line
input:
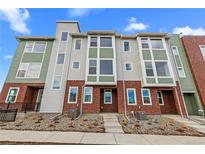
(156, 125)
(45, 122)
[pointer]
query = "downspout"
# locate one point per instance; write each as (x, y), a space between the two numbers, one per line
(81, 103)
(125, 104)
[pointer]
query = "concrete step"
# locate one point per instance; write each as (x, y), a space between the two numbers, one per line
(113, 124)
(114, 130)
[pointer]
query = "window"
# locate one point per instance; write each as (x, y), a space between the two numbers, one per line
(22, 70)
(33, 70)
(106, 67)
(175, 50)
(157, 44)
(128, 67)
(162, 68)
(202, 47)
(73, 93)
(57, 82)
(181, 72)
(60, 58)
(131, 96)
(92, 66)
(64, 36)
(149, 69)
(29, 47)
(12, 95)
(93, 41)
(39, 47)
(88, 92)
(77, 44)
(160, 98)
(107, 96)
(126, 46)
(76, 64)
(105, 41)
(146, 97)
(145, 44)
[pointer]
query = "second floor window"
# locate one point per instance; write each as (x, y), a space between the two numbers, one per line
(77, 44)
(60, 58)
(149, 69)
(106, 67)
(76, 64)
(105, 41)
(92, 66)
(128, 67)
(162, 69)
(29, 70)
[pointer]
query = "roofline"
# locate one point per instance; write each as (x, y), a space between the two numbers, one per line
(69, 21)
(35, 38)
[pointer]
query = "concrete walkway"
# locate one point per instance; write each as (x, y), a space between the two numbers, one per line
(111, 123)
(96, 138)
(189, 122)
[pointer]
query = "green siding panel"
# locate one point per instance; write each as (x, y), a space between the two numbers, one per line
(11, 77)
(92, 78)
(159, 55)
(106, 78)
(146, 55)
(93, 53)
(165, 80)
(178, 61)
(150, 80)
(32, 57)
(106, 53)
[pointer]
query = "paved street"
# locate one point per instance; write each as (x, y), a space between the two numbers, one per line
(96, 138)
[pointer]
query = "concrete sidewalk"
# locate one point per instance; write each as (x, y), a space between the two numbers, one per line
(96, 138)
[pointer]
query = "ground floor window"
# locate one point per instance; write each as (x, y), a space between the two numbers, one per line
(160, 97)
(73, 93)
(146, 97)
(12, 95)
(107, 96)
(131, 96)
(88, 94)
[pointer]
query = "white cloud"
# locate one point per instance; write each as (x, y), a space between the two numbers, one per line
(17, 19)
(133, 25)
(189, 31)
(79, 12)
(8, 57)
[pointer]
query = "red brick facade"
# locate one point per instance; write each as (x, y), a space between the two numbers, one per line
(27, 93)
(196, 62)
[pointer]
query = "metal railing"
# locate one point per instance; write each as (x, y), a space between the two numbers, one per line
(8, 115)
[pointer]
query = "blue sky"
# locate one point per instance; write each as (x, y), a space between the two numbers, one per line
(14, 22)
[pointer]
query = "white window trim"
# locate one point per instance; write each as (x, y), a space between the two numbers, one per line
(200, 46)
(91, 96)
(73, 64)
(125, 69)
(169, 76)
(150, 98)
(34, 43)
(161, 98)
(181, 76)
(53, 82)
(80, 45)
(104, 96)
(124, 46)
(134, 96)
(27, 71)
(89, 41)
(9, 92)
(76, 95)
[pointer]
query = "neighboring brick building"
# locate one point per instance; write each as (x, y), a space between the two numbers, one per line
(100, 71)
(195, 51)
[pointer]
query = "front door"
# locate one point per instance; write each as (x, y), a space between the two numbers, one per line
(108, 100)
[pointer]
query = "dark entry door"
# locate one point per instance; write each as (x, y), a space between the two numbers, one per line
(108, 100)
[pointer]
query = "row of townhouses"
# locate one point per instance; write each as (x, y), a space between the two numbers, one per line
(103, 71)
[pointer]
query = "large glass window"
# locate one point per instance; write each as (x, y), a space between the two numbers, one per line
(93, 41)
(160, 97)
(106, 67)
(131, 96)
(146, 97)
(145, 43)
(29, 47)
(105, 41)
(126, 46)
(157, 44)
(60, 58)
(33, 70)
(12, 95)
(56, 82)
(202, 47)
(64, 36)
(39, 47)
(77, 44)
(88, 92)
(73, 93)
(92, 66)
(149, 69)
(107, 96)
(162, 69)
(23, 67)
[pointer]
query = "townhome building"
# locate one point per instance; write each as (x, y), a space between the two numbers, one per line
(100, 71)
(195, 51)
